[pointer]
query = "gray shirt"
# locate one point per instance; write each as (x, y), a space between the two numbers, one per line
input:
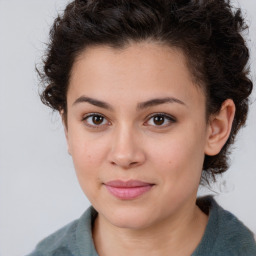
(225, 235)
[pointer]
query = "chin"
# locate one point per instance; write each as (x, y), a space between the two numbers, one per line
(129, 218)
(129, 223)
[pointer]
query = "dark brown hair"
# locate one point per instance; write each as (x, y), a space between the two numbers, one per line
(207, 31)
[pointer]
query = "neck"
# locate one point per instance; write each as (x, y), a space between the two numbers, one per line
(177, 235)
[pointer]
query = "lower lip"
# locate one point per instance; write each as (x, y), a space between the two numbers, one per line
(128, 193)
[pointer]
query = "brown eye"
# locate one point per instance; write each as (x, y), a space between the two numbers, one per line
(158, 120)
(95, 120)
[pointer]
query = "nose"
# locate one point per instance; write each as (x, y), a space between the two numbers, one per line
(126, 149)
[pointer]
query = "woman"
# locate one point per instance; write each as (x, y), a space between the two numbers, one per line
(152, 95)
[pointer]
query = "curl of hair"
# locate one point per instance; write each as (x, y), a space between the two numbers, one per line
(207, 31)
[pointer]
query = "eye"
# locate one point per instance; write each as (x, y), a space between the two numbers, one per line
(95, 120)
(160, 120)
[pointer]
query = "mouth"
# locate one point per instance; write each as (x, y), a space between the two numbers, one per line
(128, 190)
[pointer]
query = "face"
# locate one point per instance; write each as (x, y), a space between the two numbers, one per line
(137, 132)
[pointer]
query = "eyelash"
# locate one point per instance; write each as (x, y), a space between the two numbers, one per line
(93, 115)
(169, 118)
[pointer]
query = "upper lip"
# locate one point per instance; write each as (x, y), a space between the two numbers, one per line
(127, 184)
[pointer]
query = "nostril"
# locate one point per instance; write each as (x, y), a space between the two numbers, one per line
(127, 165)
(133, 163)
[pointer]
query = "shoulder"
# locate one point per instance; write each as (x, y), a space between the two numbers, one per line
(57, 243)
(66, 241)
(234, 235)
(225, 234)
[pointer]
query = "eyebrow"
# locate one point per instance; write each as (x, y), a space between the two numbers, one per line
(94, 102)
(140, 106)
(158, 101)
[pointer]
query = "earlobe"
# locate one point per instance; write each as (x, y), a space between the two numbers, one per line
(219, 128)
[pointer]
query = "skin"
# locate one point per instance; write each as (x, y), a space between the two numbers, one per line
(128, 143)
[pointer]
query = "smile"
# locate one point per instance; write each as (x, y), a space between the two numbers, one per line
(127, 190)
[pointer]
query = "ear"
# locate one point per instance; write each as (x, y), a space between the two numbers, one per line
(219, 128)
(64, 123)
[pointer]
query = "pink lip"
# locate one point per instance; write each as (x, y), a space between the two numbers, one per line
(128, 190)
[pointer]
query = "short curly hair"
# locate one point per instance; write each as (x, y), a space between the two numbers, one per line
(209, 32)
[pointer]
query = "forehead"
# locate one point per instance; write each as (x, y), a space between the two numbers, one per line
(140, 69)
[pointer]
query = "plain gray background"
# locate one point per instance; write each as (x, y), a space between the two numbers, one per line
(39, 192)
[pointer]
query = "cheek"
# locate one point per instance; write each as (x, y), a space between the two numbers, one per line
(87, 159)
(85, 148)
(87, 154)
(180, 157)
